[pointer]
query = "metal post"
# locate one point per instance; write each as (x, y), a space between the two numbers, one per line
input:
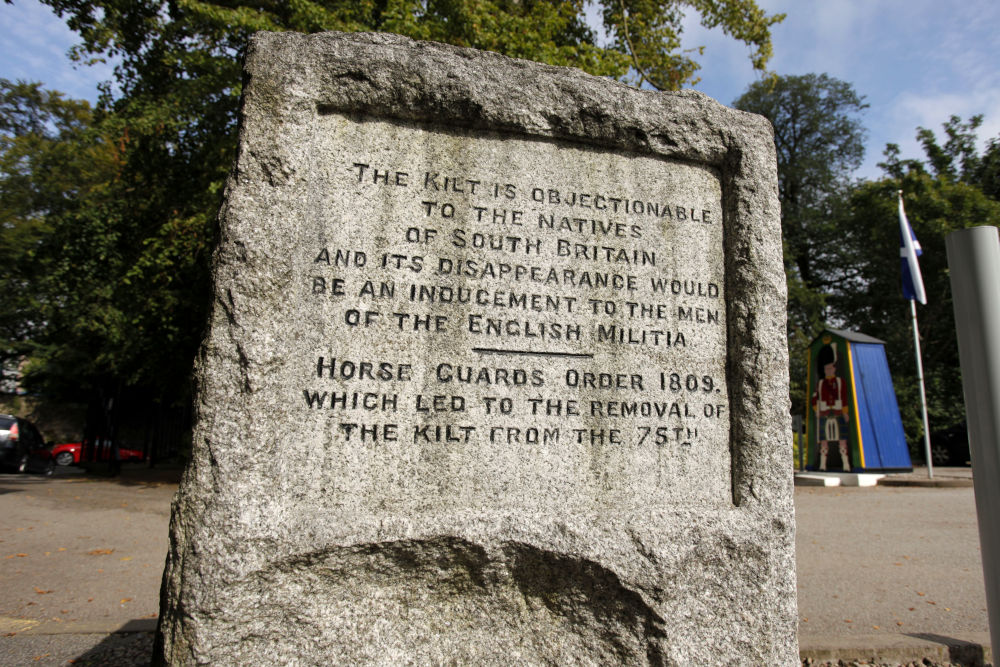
(923, 393)
(974, 262)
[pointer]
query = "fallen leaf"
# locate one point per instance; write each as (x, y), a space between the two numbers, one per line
(103, 552)
(947, 608)
(125, 558)
(899, 622)
(897, 564)
(62, 548)
(921, 594)
(124, 600)
(876, 627)
(931, 602)
(913, 608)
(847, 620)
(40, 591)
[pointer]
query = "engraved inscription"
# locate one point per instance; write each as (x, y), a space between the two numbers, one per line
(559, 309)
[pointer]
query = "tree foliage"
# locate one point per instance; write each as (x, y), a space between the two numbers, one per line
(819, 140)
(957, 161)
(649, 33)
(52, 167)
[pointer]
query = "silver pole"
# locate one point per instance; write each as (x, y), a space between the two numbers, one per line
(923, 393)
(974, 262)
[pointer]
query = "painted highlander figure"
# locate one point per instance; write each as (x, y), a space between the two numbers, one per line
(830, 404)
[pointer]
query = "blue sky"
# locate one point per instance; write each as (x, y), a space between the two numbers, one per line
(915, 61)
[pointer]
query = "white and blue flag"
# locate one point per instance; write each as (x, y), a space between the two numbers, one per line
(909, 250)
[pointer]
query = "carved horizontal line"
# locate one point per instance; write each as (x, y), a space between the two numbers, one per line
(531, 353)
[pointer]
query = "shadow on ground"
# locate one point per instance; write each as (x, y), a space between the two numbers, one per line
(960, 652)
(130, 646)
(131, 475)
(136, 474)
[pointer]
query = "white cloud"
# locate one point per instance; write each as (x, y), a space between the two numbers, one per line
(917, 62)
(33, 46)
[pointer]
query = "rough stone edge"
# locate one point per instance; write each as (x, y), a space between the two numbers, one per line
(598, 112)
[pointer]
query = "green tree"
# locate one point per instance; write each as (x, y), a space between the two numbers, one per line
(958, 159)
(819, 141)
(988, 174)
(649, 33)
(51, 164)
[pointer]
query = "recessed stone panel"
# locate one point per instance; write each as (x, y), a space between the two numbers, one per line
(487, 318)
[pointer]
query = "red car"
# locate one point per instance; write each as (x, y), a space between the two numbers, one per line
(69, 453)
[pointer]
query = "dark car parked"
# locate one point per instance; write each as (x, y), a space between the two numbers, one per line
(22, 448)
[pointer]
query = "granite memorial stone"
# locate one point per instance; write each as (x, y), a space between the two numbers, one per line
(496, 373)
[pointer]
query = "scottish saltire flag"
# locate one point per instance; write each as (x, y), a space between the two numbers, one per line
(909, 250)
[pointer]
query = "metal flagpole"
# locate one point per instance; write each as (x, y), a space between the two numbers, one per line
(923, 394)
(913, 289)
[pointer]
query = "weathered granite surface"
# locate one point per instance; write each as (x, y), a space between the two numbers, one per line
(496, 373)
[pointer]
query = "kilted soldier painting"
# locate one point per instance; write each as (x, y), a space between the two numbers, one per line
(829, 402)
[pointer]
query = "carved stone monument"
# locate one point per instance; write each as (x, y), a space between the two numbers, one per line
(496, 373)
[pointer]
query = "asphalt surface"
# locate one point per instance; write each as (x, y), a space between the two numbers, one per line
(80, 558)
(891, 573)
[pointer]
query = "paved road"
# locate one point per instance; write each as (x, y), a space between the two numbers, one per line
(888, 559)
(81, 558)
(889, 568)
